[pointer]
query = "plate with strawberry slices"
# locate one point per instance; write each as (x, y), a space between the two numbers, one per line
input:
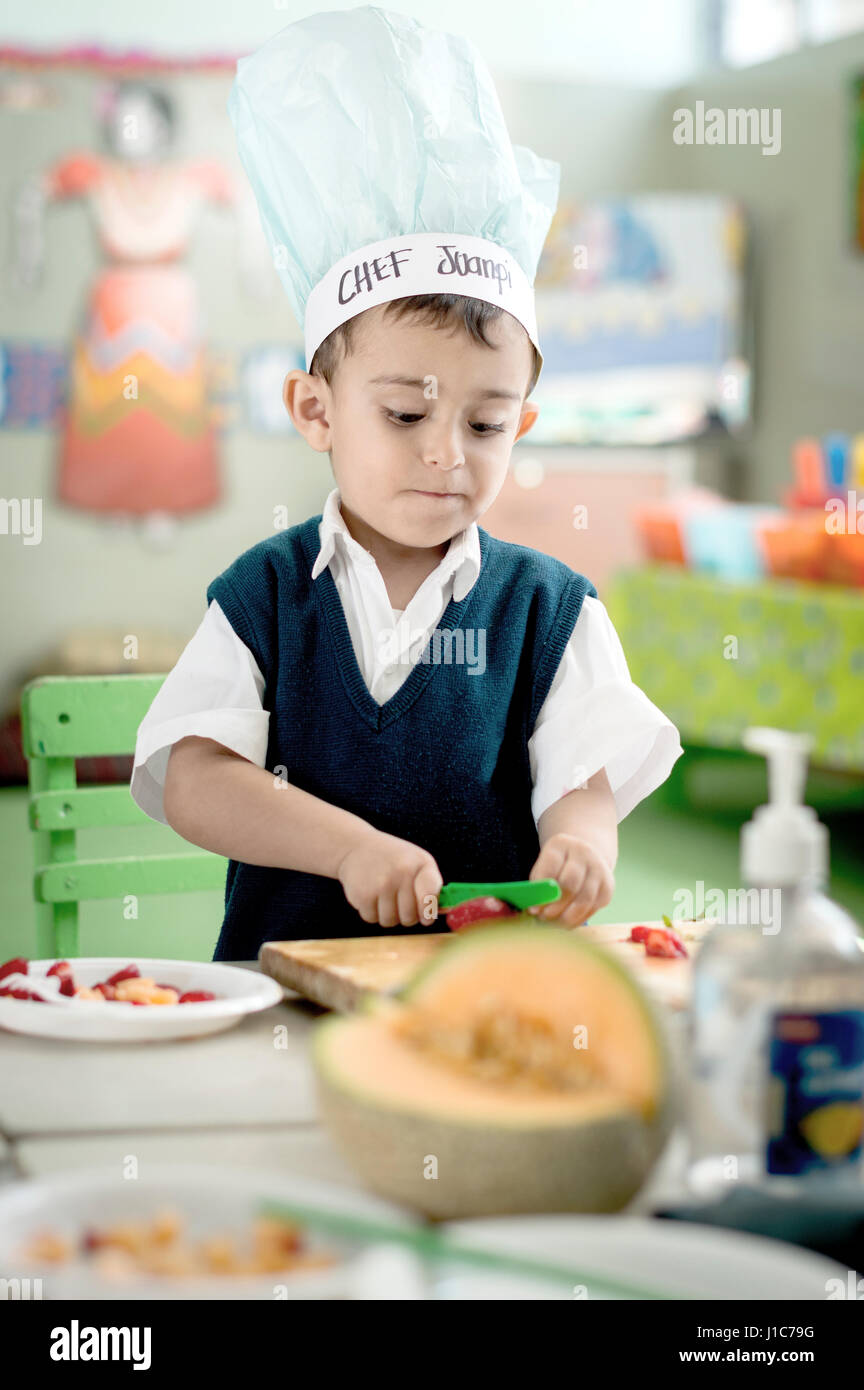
(111, 999)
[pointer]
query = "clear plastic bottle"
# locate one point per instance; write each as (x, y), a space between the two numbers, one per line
(776, 1030)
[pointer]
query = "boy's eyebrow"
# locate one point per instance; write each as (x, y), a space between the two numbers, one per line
(491, 393)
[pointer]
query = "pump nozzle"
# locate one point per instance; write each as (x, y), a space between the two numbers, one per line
(784, 842)
(787, 755)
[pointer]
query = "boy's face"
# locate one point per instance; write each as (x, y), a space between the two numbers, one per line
(420, 422)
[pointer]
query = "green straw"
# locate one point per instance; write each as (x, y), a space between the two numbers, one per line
(430, 1245)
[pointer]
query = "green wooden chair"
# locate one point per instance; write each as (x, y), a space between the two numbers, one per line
(69, 717)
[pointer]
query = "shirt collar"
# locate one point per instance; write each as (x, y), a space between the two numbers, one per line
(462, 560)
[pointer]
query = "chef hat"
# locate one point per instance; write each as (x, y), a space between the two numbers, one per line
(382, 167)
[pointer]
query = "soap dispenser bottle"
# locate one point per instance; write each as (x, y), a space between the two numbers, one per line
(776, 1030)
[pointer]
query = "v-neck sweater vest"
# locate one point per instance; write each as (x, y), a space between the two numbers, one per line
(443, 763)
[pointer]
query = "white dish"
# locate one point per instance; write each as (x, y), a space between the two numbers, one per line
(675, 1259)
(238, 992)
(212, 1201)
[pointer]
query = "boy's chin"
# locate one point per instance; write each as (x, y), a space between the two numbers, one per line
(427, 537)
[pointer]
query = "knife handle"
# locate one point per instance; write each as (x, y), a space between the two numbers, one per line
(519, 893)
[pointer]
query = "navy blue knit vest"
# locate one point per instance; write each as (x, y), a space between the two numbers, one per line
(443, 763)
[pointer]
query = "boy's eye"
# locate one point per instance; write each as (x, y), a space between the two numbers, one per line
(402, 417)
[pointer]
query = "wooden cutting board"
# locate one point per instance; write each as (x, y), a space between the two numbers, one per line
(338, 973)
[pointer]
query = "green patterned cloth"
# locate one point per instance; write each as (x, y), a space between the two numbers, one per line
(717, 656)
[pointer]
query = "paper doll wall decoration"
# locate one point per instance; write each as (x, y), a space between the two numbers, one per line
(137, 438)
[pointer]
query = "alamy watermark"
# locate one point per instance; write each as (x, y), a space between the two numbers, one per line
(743, 907)
(736, 126)
(21, 516)
(456, 646)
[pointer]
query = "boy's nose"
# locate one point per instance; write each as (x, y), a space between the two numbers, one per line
(445, 457)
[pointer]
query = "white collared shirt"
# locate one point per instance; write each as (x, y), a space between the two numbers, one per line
(593, 716)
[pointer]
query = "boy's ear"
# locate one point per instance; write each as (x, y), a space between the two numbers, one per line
(292, 376)
(528, 419)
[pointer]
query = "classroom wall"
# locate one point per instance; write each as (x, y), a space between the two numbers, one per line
(560, 39)
(808, 282)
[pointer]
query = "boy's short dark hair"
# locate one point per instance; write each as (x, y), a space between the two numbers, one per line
(438, 309)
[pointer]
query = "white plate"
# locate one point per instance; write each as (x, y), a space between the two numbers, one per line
(238, 992)
(672, 1258)
(213, 1201)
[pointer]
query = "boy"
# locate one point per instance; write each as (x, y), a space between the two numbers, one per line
(386, 697)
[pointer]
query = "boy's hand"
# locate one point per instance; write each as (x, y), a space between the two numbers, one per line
(391, 881)
(585, 879)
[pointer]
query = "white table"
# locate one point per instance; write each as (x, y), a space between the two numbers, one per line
(232, 1098)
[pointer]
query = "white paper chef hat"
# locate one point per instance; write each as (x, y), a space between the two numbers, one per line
(382, 167)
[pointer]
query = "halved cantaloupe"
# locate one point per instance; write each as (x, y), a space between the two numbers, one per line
(522, 1070)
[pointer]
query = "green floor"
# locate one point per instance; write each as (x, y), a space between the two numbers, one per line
(665, 846)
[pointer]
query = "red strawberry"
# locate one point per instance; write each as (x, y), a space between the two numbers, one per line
(17, 966)
(108, 990)
(195, 996)
(662, 937)
(660, 941)
(64, 970)
(477, 910)
(27, 994)
(130, 972)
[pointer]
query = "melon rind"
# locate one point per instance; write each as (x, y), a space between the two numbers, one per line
(566, 1160)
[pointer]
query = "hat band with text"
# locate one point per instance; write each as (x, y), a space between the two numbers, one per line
(418, 263)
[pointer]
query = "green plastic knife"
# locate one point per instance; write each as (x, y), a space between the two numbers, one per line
(519, 893)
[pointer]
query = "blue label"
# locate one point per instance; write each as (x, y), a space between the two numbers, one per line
(815, 1091)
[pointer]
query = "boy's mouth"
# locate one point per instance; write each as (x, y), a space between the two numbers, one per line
(421, 493)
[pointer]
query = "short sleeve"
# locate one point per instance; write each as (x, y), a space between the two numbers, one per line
(214, 691)
(595, 717)
(74, 175)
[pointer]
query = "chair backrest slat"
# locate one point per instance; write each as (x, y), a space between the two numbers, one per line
(85, 716)
(69, 717)
(87, 879)
(84, 808)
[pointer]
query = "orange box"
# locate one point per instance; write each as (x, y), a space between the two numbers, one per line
(794, 548)
(844, 558)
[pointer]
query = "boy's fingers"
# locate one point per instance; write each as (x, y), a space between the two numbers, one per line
(369, 912)
(550, 861)
(387, 914)
(407, 904)
(427, 886)
(588, 899)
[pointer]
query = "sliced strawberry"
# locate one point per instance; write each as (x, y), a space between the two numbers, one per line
(108, 990)
(195, 996)
(660, 941)
(17, 966)
(131, 972)
(477, 910)
(64, 970)
(639, 933)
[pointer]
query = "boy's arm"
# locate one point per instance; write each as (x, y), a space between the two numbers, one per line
(588, 813)
(579, 848)
(219, 800)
